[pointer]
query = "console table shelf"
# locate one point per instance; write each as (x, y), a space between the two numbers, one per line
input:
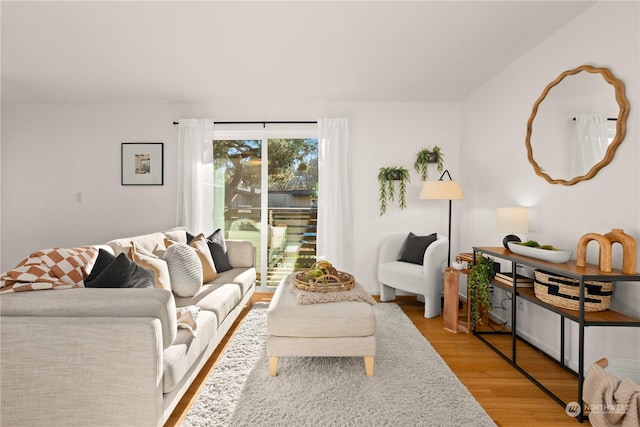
(593, 318)
(583, 319)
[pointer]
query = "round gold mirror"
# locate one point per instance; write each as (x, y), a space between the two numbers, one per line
(579, 127)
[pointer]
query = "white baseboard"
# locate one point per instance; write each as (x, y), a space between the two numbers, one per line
(555, 354)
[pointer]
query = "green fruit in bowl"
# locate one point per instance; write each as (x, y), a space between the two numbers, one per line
(534, 244)
(314, 274)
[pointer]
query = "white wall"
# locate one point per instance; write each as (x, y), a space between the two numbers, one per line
(497, 173)
(52, 152)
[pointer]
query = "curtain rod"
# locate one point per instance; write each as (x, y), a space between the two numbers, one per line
(263, 123)
(611, 119)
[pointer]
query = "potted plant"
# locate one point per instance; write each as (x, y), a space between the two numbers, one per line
(426, 156)
(387, 178)
(478, 288)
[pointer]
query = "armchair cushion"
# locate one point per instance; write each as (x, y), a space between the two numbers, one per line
(415, 246)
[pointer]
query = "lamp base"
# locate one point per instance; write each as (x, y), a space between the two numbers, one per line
(510, 238)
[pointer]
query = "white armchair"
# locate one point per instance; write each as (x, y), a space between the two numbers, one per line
(427, 280)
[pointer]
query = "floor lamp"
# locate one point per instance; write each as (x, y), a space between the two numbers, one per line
(443, 190)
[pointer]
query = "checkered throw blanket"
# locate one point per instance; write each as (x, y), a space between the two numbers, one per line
(55, 268)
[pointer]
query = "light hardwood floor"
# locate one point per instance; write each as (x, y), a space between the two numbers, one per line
(507, 396)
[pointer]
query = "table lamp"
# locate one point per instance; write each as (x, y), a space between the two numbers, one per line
(512, 221)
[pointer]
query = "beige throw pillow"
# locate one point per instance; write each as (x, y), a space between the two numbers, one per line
(199, 243)
(148, 260)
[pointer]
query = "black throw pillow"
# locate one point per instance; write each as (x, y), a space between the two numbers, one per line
(102, 261)
(218, 248)
(121, 273)
(415, 246)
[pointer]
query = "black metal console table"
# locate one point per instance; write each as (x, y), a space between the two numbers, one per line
(582, 318)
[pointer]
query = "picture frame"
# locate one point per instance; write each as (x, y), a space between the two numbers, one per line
(142, 163)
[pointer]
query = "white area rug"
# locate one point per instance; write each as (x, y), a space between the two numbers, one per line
(411, 386)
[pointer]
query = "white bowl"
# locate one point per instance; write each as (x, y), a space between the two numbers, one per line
(457, 265)
(556, 255)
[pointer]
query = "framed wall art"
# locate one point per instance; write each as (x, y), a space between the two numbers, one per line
(142, 163)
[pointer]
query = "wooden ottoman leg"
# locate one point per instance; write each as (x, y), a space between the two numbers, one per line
(273, 365)
(368, 365)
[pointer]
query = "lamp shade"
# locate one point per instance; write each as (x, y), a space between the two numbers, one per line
(512, 220)
(441, 190)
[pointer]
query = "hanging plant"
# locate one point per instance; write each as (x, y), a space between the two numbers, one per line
(478, 287)
(387, 178)
(426, 156)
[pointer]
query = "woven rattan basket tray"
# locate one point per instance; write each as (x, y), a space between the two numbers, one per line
(327, 283)
(564, 292)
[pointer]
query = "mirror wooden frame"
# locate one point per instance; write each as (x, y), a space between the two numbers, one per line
(621, 124)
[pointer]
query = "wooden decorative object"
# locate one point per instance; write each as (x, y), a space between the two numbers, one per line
(454, 321)
(614, 236)
(450, 309)
(628, 249)
(605, 251)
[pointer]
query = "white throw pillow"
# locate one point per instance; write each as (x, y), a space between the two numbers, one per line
(185, 269)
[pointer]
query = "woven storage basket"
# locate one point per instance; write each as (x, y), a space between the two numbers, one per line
(327, 283)
(564, 292)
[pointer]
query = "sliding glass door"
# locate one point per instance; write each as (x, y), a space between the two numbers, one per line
(272, 203)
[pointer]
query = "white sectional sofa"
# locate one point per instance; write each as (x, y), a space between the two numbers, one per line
(112, 356)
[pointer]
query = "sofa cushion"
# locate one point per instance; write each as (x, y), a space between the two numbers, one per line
(186, 348)
(178, 234)
(217, 298)
(148, 260)
(150, 242)
(415, 246)
(185, 269)
(120, 272)
(241, 253)
(243, 277)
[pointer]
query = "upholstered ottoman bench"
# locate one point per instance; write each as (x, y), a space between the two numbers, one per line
(341, 329)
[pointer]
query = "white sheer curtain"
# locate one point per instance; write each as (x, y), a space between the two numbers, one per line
(195, 162)
(591, 141)
(335, 199)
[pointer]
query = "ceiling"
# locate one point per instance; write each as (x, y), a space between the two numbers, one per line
(239, 51)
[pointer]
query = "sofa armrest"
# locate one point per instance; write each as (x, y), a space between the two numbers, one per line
(391, 248)
(70, 371)
(434, 258)
(87, 303)
(242, 253)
